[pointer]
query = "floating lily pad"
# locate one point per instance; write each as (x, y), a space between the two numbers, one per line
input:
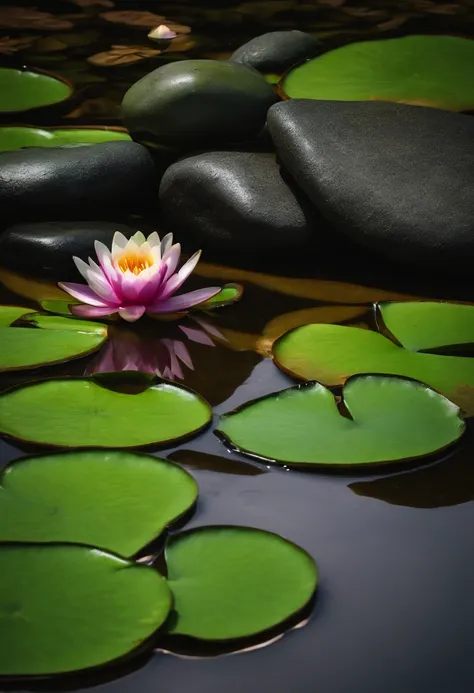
(22, 90)
(84, 412)
(303, 425)
(66, 608)
(331, 353)
(58, 307)
(118, 501)
(420, 70)
(14, 137)
(429, 326)
(10, 314)
(233, 582)
(230, 293)
(59, 340)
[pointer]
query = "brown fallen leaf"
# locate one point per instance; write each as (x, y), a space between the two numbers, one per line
(31, 18)
(180, 45)
(8, 45)
(92, 3)
(140, 19)
(122, 55)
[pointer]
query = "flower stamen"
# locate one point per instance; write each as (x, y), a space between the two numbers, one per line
(134, 263)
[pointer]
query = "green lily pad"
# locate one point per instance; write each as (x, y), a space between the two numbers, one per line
(63, 324)
(429, 326)
(419, 70)
(10, 314)
(22, 90)
(230, 293)
(84, 412)
(303, 425)
(59, 340)
(58, 307)
(118, 501)
(234, 582)
(13, 137)
(331, 353)
(67, 607)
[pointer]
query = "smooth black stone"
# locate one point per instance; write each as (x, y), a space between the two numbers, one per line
(193, 103)
(277, 51)
(45, 250)
(75, 182)
(236, 201)
(398, 179)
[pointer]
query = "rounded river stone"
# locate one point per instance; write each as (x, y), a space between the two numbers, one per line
(45, 250)
(193, 103)
(277, 51)
(398, 179)
(61, 182)
(236, 201)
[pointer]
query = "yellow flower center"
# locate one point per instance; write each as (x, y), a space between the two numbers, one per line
(136, 262)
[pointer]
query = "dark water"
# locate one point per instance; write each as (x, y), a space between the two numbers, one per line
(395, 607)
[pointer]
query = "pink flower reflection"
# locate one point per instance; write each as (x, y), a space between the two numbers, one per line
(165, 356)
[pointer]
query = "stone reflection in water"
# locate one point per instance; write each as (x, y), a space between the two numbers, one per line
(440, 485)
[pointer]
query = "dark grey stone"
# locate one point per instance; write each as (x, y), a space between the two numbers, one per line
(69, 182)
(45, 250)
(277, 51)
(236, 202)
(398, 179)
(191, 104)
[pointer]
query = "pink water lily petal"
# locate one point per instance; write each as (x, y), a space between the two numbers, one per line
(175, 365)
(83, 311)
(197, 336)
(83, 293)
(177, 280)
(171, 259)
(184, 301)
(131, 313)
(181, 351)
(151, 289)
(209, 327)
(166, 243)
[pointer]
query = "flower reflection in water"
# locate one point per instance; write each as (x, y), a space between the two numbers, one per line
(164, 353)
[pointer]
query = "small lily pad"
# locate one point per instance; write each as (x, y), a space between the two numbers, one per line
(66, 608)
(230, 293)
(59, 340)
(332, 353)
(58, 307)
(420, 70)
(430, 326)
(13, 137)
(303, 425)
(10, 314)
(22, 90)
(234, 582)
(87, 412)
(118, 501)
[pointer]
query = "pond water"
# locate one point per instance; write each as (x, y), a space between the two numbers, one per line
(395, 606)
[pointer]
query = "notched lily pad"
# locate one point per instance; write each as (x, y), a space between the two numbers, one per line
(60, 339)
(304, 425)
(87, 412)
(10, 314)
(118, 501)
(332, 353)
(235, 582)
(427, 70)
(66, 608)
(429, 326)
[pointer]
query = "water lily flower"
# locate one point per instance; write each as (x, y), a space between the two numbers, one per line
(162, 32)
(137, 276)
